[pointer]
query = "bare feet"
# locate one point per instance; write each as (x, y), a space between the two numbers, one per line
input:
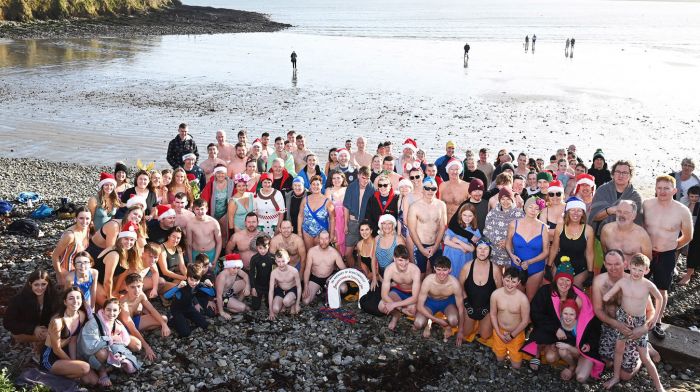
(655, 356)
(393, 322)
(566, 374)
(447, 333)
(685, 279)
(426, 331)
(611, 383)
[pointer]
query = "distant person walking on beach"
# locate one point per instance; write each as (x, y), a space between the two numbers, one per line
(527, 42)
(571, 50)
(294, 60)
(534, 38)
(566, 48)
(466, 54)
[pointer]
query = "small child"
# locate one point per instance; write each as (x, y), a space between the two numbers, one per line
(84, 277)
(509, 320)
(632, 313)
(284, 290)
(260, 269)
(207, 302)
(566, 346)
(232, 287)
(184, 302)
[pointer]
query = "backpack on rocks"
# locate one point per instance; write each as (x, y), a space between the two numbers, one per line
(5, 207)
(43, 211)
(24, 227)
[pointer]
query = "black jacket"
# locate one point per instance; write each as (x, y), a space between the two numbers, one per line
(23, 314)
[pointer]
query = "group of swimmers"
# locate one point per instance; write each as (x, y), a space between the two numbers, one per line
(487, 250)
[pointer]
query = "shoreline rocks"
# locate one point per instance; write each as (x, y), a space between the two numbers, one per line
(177, 20)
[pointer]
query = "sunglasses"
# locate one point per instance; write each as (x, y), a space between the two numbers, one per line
(383, 185)
(554, 194)
(430, 188)
(414, 177)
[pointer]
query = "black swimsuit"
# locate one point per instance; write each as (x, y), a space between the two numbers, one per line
(478, 301)
(100, 267)
(92, 248)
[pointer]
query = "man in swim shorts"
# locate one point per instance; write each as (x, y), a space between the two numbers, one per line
(400, 287)
(426, 222)
(441, 292)
(321, 262)
(203, 233)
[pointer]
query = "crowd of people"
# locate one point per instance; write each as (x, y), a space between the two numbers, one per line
(560, 261)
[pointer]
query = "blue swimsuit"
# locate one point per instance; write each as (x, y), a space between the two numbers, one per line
(526, 250)
(315, 221)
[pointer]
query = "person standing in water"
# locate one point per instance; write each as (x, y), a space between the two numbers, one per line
(527, 42)
(534, 38)
(294, 60)
(566, 48)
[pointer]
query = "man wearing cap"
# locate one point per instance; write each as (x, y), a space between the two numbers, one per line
(238, 161)
(243, 241)
(281, 153)
(203, 233)
(290, 242)
(321, 262)
(182, 144)
(361, 157)
(670, 227)
(191, 168)
(232, 286)
(344, 165)
(408, 157)
(426, 222)
(158, 231)
(226, 149)
(624, 234)
(454, 191)
(300, 153)
(441, 163)
(355, 201)
(212, 160)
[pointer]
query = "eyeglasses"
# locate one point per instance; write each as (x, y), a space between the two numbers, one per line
(383, 185)
(414, 177)
(551, 194)
(622, 173)
(430, 188)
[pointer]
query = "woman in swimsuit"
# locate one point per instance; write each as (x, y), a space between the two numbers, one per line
(180, 184)
(116, 260)
(365, 251)
(106, 237)
(121, 176)
(575, 239)
(144, 189)
(553, 214)
(387, 240)
(84, 277)
(59, 354)
(528, 246)
(171, 263)
(251, 170)
(75, 239)
(28, 314)
(317, 214)
(240, 204)
(479, 280)
(105, 205)
(159, 189)
(336, 193)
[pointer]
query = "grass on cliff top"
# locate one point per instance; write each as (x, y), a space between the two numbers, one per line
(28, 10)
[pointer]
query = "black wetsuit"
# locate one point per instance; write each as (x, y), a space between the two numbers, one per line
(260, 270)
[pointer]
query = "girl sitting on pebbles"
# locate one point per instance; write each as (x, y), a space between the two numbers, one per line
(114, 261)
(84, 277)
(75, 239)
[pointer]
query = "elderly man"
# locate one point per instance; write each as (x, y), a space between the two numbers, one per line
(406, 161)
(361, 157)
(181, 145)
(685, 178)
(608, 197)
(454, 191)
(226, 149)
(623, 234)
(670, 227)
(344, 165)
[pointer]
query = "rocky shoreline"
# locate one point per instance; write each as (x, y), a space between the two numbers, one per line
(177, 20)
(308, 352)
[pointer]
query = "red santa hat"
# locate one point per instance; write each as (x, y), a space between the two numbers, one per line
(220, 169)
(164, 211)
(233, 260)
(106, 178)
(265, 176)
(411, 144)
(343, 150)
(454, 162)
(129, 230)
(258, 142)
(189, 156)
(584, 178)
(555, 186)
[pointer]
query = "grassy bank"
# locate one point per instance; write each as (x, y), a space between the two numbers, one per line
(27, 10)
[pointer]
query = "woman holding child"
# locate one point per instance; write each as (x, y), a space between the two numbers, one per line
(553, 327)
